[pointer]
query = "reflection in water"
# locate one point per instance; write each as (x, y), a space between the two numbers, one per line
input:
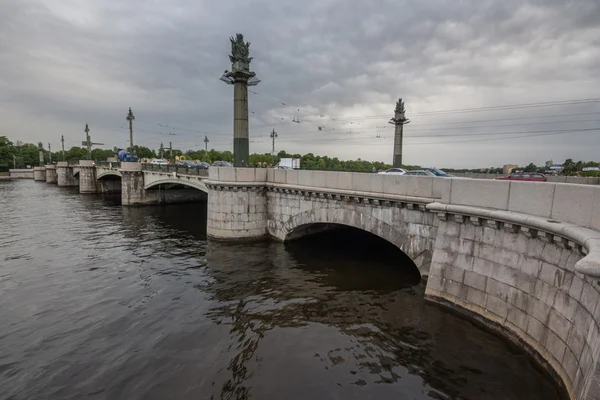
(108, 302)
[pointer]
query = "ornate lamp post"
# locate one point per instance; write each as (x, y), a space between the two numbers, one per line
(240, 77)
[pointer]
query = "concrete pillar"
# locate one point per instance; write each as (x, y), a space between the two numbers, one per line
(237, 213)
(64, 174)
(39, 174)
(397, 161)
(241, 146)
(51, 176)
(87, 176)
(132, 186)
(237, 203)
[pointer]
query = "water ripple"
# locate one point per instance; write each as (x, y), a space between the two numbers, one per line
(107, 302)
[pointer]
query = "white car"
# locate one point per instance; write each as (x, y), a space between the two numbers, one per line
(158, 161)
(393, 171)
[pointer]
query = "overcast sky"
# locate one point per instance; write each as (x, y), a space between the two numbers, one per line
(67, 62)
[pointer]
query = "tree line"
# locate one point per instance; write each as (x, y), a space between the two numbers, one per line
(20, 155)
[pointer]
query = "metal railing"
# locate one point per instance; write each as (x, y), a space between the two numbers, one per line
(108, 164)
(175, 168)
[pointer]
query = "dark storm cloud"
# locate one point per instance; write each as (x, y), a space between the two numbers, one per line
(64, 63)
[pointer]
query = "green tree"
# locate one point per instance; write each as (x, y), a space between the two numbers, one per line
(101, 154)
(7, 151)
(568, 166)
(530, 168)
(144, 152)
(75, 154)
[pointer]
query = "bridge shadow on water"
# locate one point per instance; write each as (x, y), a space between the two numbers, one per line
(342, 315)
(352, 259)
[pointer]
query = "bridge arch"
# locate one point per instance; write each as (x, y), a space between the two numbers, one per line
(196, 184)
(411, 239)
(105, 173)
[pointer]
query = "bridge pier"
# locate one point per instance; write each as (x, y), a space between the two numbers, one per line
(237, 203)
(64, 174)
(39, 174)
(51, 176)
(132, 186)
(87, 176)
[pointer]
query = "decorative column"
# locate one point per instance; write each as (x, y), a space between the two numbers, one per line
(87, 176)
(240, 77)
(399, 121)
(51, 176)
(64, 174)
(41, 151)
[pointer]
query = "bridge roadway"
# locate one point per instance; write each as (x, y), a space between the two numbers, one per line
(520, 257)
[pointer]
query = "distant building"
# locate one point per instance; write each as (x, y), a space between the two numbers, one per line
(508, 168)
(591, 169)
(556, 168)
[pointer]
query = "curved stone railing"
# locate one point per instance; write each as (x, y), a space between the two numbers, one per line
(533, 278)
(584, 240)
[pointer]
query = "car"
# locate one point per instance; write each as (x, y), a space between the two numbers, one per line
(158, 161)
(435, 172)
(222, 164)
(419, 172)
(202, 165)
(524, 176)
(393, 171)
(187, 163)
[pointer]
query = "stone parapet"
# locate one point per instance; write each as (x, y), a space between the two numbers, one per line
(572, 203)
(130, 166)
(21, 173)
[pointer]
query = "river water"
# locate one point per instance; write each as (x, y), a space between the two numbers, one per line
(103, 302)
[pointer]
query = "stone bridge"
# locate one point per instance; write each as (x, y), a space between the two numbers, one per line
(138, 184)
(523, 258)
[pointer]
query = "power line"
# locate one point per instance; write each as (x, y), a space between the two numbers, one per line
(319, 133)
(322, 129)
(535, 133)
(455, 111)
(510, 119)
(475, 140)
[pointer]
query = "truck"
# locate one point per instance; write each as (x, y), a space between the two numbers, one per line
(124, 155)
(289, 163)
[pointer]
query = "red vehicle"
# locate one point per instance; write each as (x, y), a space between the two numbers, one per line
(524, 176)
